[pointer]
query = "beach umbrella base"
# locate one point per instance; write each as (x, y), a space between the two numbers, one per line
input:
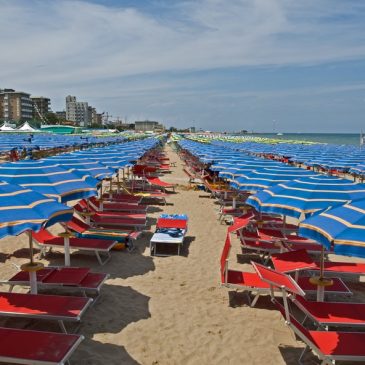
(32, 268)
(321, 283)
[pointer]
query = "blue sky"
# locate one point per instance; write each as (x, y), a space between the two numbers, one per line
(215, 64)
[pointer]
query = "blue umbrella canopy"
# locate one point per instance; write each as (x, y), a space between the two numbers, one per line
(266, 177)
(340, 228)
(22, 209)
(50, 180)
(306, 196)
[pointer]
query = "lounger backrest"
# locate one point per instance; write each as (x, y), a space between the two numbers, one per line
(77, 225)
(42, 235)
(277, 279)
(224, 257)
(240, 222)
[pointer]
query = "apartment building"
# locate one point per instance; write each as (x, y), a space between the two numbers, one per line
(15, 105)
(41, 106)
(77, 111)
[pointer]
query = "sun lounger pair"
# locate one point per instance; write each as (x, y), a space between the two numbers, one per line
(76, 279)
(100, 247)
(329, 346)
(250, 282)
(168, 232)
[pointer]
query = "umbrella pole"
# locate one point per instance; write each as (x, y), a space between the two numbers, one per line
(66, 243)
(32, 267)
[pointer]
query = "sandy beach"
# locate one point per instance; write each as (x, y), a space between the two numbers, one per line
(170, 310)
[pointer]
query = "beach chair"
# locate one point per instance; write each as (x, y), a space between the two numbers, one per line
(103, 220)
(168, 232)
(113, 206)
(298, 260)
(324, 314)
(100, 247)
(328, 346)
(155, 181)
(76, 279)
(48, 307)
(250, 282)
(83, 230)
(18, 346)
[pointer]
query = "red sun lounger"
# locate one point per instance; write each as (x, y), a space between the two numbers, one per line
(99, 246)
(84, 207)
(329, 346)
(300, 260)
(18, 346)
(37, 306)
(112, 206)
(325, 314)
(84, 230)
(155, 181)
(78, 279)
(252, 283)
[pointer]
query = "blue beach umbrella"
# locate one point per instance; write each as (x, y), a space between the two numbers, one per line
(23, 210)
(306, 196)
(50, 180)
(341, 228)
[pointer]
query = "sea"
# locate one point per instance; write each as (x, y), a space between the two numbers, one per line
(333, 138)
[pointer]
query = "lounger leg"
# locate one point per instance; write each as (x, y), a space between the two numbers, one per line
(101, 262)
(253, 303)
(302, 354)
(62, 325)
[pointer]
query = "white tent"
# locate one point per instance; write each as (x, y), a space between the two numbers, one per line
(6, 128)
(26, 128)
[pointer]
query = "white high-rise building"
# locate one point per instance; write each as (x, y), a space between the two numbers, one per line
(77, 111)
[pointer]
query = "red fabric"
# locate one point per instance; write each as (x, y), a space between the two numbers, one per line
(277, 279)
(35, 345)
(171, 223)
(158, 182)
(293, 260)
(110, 221)
(246, 279)
(33, 304)
(224, 256)
(67, 276)
(338, 285)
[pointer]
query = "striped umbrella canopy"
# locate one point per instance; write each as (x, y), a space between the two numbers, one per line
(87, 166)
(23, 209)
(267, 177)
(50, 180)
(341, 228)
(306, 196)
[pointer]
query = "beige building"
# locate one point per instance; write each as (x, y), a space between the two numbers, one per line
(148, 125)
(41, 106)
(15, 105)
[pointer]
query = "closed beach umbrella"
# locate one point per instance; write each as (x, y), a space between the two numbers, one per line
(21, 210)
(305, 196)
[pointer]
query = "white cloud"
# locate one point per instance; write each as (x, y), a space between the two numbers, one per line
(61, 47)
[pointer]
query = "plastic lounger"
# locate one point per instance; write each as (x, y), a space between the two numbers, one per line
(37, 306)
(119, 197)
(166, 238)
(98, 246)
(300, 260)
(78, 279)
(18, 346)
(329, 346)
